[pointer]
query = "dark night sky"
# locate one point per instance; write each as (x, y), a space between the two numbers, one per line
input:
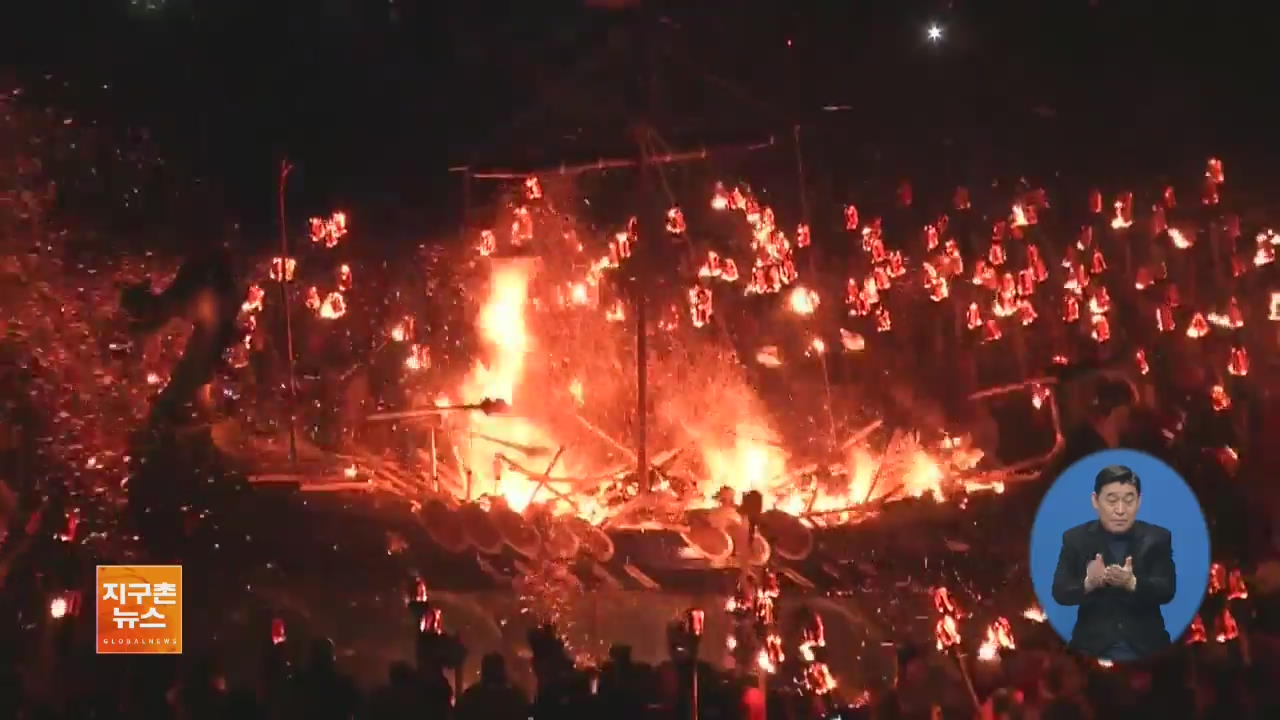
(374, 105)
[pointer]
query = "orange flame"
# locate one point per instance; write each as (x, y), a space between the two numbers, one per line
(1238, 364)
(253, 299)
(1180, 240)
(504, 332)
(1196, 632)
(850, 218)
(803, 301)
(283, 268)
(329, 231)
(1199, 327)
(946, 632)
(675, 221)
(1217, 578)
(1221, 400)
(1226, 627)
(488, 243)
(719, 198)
(1236, 589)
(532, 188)
(333, 307)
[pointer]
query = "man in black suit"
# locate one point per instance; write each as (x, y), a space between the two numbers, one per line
(1119, 571)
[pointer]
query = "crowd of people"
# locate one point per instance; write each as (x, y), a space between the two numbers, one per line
(1236, 680)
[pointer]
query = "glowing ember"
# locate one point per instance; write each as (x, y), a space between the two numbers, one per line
(1238, 364)
(1019, 216)
(1273, 311)
(700, 305)
(154, 378)
(532, 188)
(253, 299)
(1213, 171)
(1140, 358)
(999, 637)
(803, 301)
(283, 268)
(1164, 318)
(58, 607)
(1225, 627)
(579, 294)
(344, 277)
(1098, 264)
(1070, 308)
(521, 226)
(818, 346)
(946, 632)
(1123, 211)
(1179, 240)
(850, 218)
(616, 312)
(897, 266)
(884, 323)
(350, 472)
(333, 307)
(991, 331)
(1026, 312)
(419, 358)
(1100, 303)
(575, 389)
(719, 198)
(1039, 394)
(1143, 279)
(803, 237)
(675, 221)
(313, 299)
(996, 255)
(768, 356)
(488, 243)
(1199, 327)
(403, 329)
(1236, 589)
(1221, 400)
(1196, 632)
(329, 231)
(852, 341)
(1101, 332)
(973, 316)
(1035, 614)
(1264, 255)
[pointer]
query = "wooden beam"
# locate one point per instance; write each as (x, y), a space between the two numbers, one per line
(603, 164)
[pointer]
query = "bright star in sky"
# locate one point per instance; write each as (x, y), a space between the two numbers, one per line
(935, 33)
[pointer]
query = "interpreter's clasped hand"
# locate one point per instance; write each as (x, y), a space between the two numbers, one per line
(1121, 575)
(1094, 574)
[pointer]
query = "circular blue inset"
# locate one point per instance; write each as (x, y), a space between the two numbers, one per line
(1167, 501)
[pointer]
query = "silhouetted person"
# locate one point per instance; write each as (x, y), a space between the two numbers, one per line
(206, 293)
(323, 693)
(402, 698)
(203, 692)
(436, 653)
(494, 697)
(620, 685)
(1106, 423)
(561, 692)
